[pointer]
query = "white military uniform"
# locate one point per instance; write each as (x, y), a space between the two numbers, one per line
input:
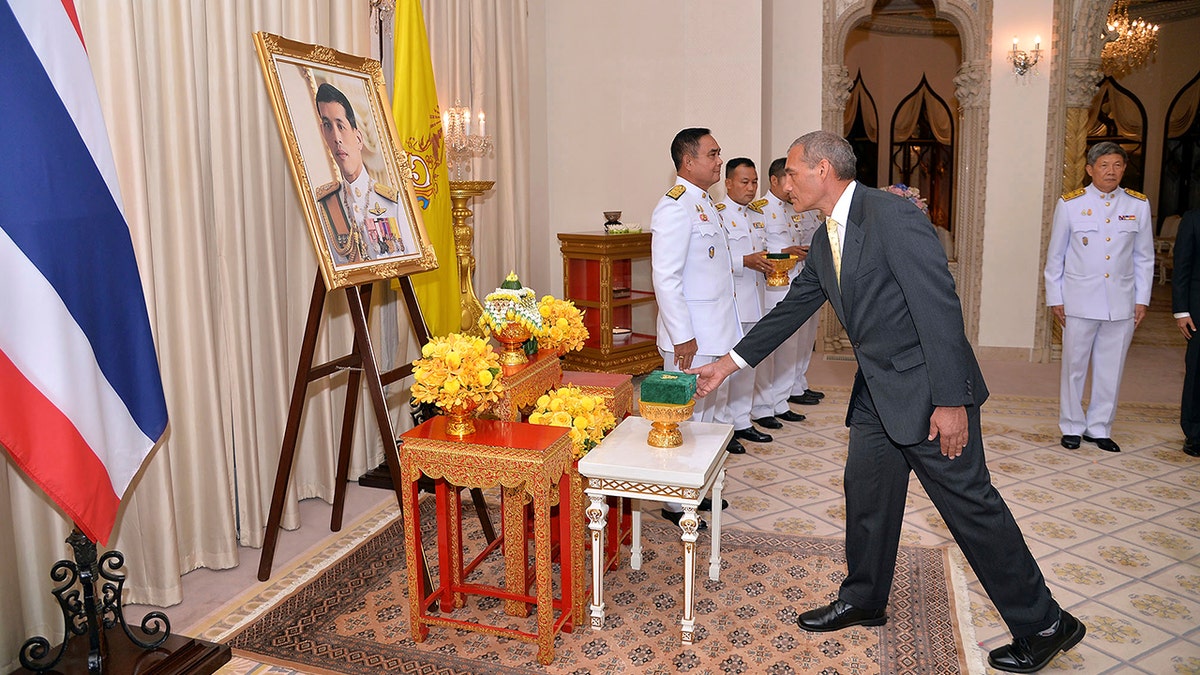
(363, 218)
(746, 236)
(806, 224)
(778, 379)
(1100, 263)
(693, 283)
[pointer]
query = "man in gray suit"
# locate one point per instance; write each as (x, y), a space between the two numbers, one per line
(914, 406)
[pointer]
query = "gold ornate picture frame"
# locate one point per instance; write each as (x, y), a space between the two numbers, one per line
(353, 180)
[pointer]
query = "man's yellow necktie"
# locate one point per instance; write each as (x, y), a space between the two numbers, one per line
(831, 226)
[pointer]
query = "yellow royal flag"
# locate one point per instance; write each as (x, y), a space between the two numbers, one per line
(419, 128)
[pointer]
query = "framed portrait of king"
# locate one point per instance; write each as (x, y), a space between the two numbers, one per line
(353, 180)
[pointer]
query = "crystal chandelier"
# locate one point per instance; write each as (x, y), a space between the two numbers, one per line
(1129, 43)
(461, 144)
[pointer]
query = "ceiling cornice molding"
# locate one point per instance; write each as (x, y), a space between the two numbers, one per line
(1165, 11)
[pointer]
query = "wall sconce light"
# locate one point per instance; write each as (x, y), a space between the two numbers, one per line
(1024, 61)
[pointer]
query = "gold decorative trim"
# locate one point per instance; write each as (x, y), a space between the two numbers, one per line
(647, 489)
(522, 387)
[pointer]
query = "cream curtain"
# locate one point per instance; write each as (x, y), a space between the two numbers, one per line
(480, 57)
(904, 124)
(860, 97)
(228, 271)
(1184, 111)
(1121, 108)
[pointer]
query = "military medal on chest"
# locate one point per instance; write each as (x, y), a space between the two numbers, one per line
(1085, 241)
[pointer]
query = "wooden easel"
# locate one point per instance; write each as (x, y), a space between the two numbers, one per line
(360, 362)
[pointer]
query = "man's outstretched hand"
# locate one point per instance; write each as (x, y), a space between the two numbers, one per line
(711, 375)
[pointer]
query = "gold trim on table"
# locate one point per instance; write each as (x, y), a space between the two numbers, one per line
(523, 387)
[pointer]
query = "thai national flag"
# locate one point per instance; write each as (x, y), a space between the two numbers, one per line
(81, 400)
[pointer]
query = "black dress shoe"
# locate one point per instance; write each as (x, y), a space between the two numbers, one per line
(676, 516)
(706, 505)
(790, 416)
(814, 393)
(1192, 447)
(804, 399)
(1031, 654)
(735, 448)
(1070, 442)
(753, 435)
(768, 423)
(838, 615)
(1106, 444)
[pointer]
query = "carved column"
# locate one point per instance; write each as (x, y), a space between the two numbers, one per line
(971, 88)
(836, 84)
(1082, 77)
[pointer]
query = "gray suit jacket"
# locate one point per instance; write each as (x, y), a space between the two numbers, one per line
(900, 310)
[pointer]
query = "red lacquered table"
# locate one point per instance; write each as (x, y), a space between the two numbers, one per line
(523, 459)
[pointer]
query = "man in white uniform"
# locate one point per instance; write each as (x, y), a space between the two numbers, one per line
(360, 214)
(1099, 269)
(776, 375)
(747, 244)
(693, 274)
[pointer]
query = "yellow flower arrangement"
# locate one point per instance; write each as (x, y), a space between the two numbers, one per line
(584, 414)
(562, 325)
(457, 369)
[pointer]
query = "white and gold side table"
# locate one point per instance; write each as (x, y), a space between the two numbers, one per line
(625, 465)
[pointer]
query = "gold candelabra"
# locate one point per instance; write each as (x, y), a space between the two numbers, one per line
(471, 309)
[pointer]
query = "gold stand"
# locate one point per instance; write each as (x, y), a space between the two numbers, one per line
(460, 192)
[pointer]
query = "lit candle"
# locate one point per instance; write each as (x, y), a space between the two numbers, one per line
(481, 133)
(1014, 43)
(445, 121)
(1037, 41)
(467, 121)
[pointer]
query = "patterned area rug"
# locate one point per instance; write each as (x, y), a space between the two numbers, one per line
(352, 616)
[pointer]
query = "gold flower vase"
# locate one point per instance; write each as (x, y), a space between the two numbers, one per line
(664, 422)
(460, 418)
(512, 338)
(780, 268)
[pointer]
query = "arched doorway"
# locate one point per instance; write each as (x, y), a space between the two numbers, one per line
(970, 21)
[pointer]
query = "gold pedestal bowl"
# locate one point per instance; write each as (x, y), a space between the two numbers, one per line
(664, 422)
(780, 268)
(511, 338)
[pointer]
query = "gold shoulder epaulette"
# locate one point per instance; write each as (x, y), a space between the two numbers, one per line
(386, 191)
(720, 206)
(1135, 194)
(1068, 196)
(757, 205)
(328, 189)
(676, 192)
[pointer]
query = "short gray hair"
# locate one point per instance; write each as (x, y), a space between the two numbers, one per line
(819, 145)
(1106, 148)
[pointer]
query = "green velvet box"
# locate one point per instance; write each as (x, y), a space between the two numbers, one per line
(663, 387)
